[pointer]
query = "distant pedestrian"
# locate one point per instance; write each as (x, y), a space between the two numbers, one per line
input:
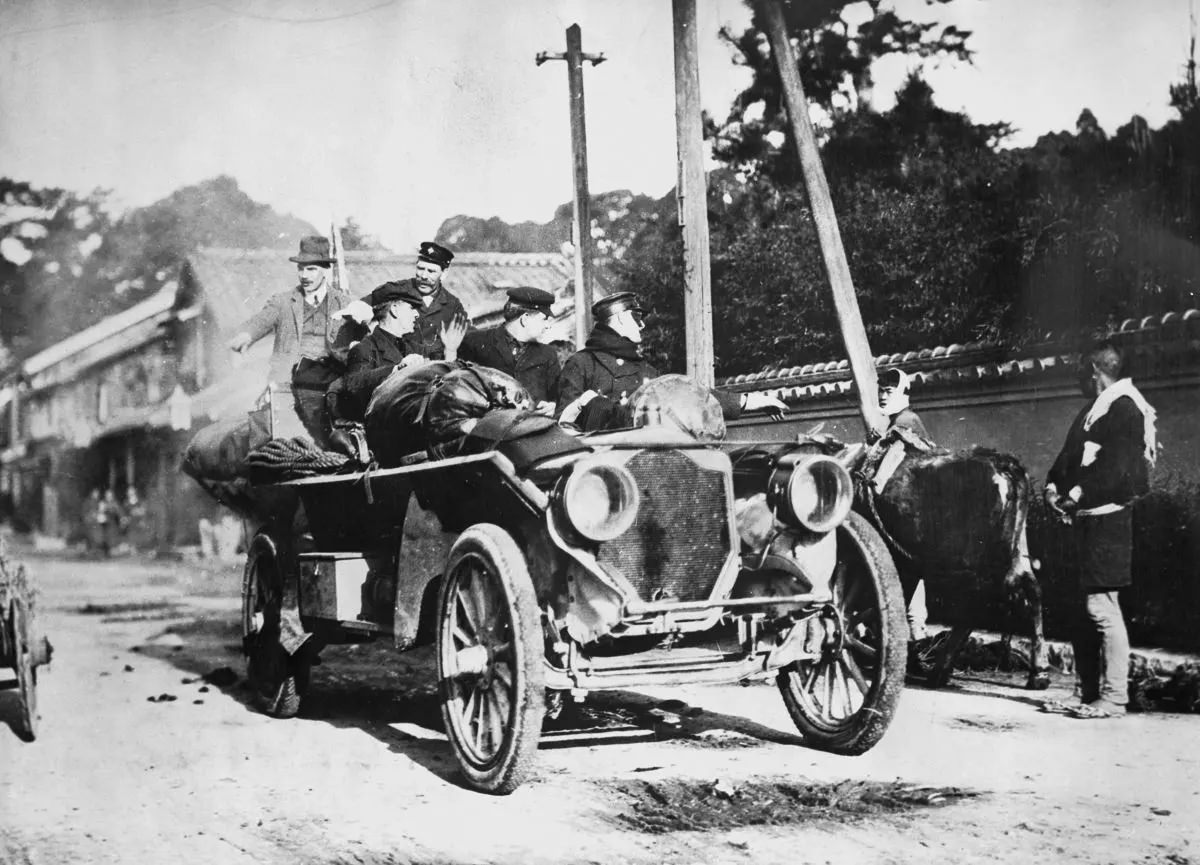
(91, 520)
(110, 517)
(135, 520)
(1102, 469)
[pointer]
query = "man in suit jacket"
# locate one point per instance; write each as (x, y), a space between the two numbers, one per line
(513, 347)
(1102, 469)
(311, 339)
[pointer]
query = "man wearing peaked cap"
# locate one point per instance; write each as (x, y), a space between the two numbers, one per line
(396, 306)
(597, 381)
(443, 320)
(513, 347)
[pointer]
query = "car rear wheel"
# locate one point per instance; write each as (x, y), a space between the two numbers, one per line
(277, 679)
(490, 659)
(843, 699)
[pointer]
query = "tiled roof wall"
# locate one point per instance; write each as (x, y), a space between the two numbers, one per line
(1151, 342)
(236, 283)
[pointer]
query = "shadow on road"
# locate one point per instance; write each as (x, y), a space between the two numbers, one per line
(392, 696)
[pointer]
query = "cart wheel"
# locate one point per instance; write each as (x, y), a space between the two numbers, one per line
(844, 700)
(278, 679)
(22, 642)
(490, 659)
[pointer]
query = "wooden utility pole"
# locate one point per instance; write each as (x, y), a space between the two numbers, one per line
(691, 194)
(582, 223)
(854, 335)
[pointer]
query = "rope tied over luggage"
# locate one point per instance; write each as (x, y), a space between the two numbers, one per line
(286, 459)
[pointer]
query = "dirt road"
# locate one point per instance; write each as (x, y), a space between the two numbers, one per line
(972, 774)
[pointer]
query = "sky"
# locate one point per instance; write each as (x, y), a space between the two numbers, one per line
(402, 113)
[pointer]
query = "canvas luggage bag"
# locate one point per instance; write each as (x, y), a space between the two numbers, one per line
(218, 451)
(430, 407)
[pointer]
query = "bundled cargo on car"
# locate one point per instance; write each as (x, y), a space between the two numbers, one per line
(430, 408)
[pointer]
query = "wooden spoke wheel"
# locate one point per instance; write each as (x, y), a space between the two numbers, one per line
(490, 659)
(277, 679)
(843, 701)
(22, 661)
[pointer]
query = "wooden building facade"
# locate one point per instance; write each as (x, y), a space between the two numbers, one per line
(112, 407)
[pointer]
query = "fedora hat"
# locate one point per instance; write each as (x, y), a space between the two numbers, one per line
(314, 249)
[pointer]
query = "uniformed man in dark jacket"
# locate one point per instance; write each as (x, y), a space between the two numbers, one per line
(440, 310)
(513, 347)
(391, 345)
(597, 382)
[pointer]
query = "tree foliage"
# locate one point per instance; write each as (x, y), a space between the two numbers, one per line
(835, 59)
(949, 237)
(66, 261)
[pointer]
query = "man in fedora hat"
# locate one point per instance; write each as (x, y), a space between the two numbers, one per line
(310, 339)
(514, 348)
(443, 320)
(597, 381)
(396, 307)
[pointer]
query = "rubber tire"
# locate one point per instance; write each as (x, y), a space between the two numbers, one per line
(859, 732)
(22, 642)
(492, 548)
(278, 680)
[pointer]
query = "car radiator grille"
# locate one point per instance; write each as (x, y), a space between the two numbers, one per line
(680, 542)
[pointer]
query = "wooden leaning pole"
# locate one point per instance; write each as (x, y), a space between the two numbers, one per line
(691, 193)
(833, 255)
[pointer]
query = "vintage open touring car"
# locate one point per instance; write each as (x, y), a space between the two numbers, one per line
(546, 564)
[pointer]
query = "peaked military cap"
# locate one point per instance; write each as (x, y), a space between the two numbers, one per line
(314, 249)
(532, 299)
(390, 291)
(607, 307)
(438, 254)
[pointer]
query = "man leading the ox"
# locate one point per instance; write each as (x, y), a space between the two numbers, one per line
(513, 347)
(1102, 469)
(311, 339)
(598, 380)
(894, 385)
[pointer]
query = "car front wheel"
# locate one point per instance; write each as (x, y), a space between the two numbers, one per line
(842, 699)
(490, 659)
